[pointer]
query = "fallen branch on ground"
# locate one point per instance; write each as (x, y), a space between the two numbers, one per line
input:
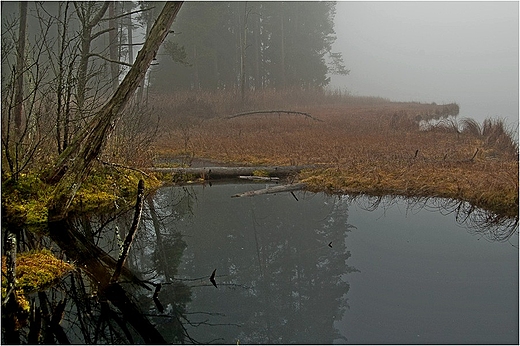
(272, 112)
(123, 166)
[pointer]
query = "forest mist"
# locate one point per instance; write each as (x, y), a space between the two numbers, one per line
(445, 51)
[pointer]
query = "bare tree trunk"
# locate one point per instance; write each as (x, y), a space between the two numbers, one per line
(195, 68)
(20, 66)
(258, 77)
(87, 24)
(114, 67)
(130, 38)
(75, 162)
(149, 22)
(63, 88)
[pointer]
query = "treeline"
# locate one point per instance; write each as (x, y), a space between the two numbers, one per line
(249, 46)
(62, 61)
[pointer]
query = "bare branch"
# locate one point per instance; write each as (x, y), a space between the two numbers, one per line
(129, 13)
(110, 60)
(100, 14)
(100, 33)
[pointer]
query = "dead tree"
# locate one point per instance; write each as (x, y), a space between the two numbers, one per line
(74, 164)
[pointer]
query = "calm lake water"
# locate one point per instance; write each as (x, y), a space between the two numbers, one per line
(293, 268)
(314, 269)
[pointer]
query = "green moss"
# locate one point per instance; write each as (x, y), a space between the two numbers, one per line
(25, 201)
(35, 271)
(260, 173)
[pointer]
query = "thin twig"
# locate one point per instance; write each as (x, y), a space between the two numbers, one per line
(125, 167)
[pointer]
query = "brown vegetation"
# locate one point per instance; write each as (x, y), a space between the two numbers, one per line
(363, 145)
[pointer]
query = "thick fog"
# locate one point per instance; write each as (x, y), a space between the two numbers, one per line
(464, 52)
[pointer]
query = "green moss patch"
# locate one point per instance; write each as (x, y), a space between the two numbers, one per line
(35, 271)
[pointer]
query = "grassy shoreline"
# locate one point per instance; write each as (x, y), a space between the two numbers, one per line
(362, 145)
(380, 148)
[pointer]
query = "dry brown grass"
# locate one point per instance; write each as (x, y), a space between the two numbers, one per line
(362, 147)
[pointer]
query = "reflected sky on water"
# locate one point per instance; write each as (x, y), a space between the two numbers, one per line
(295, 267)
(315, 269)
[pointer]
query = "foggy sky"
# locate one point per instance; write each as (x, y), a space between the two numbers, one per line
(464, 52)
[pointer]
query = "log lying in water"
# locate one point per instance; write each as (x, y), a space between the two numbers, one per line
(272, 189)
(254, 177)
(233, 172)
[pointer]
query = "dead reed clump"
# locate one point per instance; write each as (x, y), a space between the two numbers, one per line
(471, 127)
(498, 137)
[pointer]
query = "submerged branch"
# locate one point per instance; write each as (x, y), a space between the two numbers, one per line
(273, 189)
(131, 234)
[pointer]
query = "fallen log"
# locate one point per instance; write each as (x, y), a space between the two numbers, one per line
(273, 189)
(272, 112)
(207, 173)
(254, 177)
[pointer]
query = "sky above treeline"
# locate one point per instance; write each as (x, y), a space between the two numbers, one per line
(464, 52)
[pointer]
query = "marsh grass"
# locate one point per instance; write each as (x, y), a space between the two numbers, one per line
(362, 145)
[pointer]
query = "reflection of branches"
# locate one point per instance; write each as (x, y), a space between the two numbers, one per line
(94, 312)
(491, 226)
(206, 323)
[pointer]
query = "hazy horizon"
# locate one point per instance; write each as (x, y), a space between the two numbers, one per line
(464, 52)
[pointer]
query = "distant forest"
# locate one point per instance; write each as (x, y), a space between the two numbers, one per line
(224, 45)
(82, 50)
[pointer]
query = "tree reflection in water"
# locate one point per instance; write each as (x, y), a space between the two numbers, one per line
(281, 269)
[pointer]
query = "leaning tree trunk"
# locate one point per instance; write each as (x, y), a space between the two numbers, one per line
(74, 164)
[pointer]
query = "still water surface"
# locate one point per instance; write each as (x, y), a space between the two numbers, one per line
(311, 268)
(289, 268)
